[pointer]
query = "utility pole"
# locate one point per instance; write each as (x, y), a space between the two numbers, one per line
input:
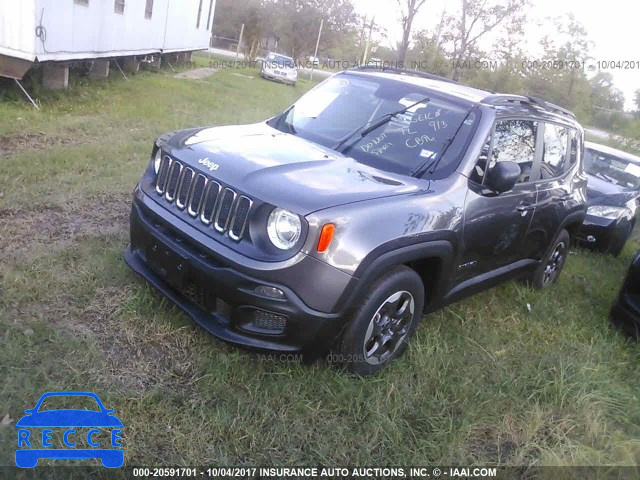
(240, 41)
(315, 54)
(366, 49)
(364, 28)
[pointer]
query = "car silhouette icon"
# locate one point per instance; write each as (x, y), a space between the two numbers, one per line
(31, 448)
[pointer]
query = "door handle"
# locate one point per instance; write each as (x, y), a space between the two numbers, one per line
(525, 208)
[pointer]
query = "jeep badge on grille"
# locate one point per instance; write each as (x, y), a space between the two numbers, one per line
(212, 166)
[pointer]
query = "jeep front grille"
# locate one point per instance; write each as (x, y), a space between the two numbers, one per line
(203, 198)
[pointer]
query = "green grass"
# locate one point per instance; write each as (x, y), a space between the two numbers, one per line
(487, 380)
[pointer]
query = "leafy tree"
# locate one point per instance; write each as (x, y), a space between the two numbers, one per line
(408, 12)
(604, 94)
(559, 75)
(476, 19)
(636, 99)
(298, 21)
(256, 15)
(428, 51)
(295, 22)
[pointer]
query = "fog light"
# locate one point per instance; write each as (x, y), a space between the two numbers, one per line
(591, 238)
(270, 292)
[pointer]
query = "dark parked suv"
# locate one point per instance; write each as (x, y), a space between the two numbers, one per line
(613, 194)
(376, 198)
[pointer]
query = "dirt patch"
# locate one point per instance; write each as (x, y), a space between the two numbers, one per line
(13, 144)
(141, 356)
(59, 225)
(197, 74)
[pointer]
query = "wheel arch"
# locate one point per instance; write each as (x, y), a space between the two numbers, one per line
(430, 260)
(430, 270)
(572, 224)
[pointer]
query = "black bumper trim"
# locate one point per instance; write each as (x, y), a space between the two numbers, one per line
(307, 330)
(206, 320)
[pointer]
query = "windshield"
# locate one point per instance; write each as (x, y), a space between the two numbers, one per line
(613, 169)
(341, 105)
(69, 402)
(279, 61)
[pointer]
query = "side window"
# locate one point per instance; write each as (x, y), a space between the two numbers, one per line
(118, 6)
(515, 141)
(199, 14)
(148, 9)
(554, 154)
(574, 147)
(210, 12)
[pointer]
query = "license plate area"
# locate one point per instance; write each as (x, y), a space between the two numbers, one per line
(166, 263)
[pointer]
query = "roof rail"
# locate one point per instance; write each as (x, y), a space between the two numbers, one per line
(404, 71)
(505, 99)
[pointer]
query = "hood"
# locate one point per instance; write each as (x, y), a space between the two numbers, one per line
(283, 169)
(601, 192)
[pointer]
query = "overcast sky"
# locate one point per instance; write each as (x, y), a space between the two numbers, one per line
(612, 26)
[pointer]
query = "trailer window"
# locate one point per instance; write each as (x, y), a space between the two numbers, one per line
(210, 12)
(148, 11)
(118, 6)
(199, 14)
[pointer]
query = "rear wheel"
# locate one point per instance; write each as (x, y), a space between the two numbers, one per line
(381, 328)
(551, 266)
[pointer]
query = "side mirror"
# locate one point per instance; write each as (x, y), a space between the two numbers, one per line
(503, 176)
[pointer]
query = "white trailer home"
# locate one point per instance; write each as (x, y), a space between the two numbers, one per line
(57, 33)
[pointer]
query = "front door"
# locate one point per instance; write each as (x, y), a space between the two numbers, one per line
(497, 227)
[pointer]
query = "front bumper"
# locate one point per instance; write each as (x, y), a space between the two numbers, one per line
(597, 232)
(222, 299)
(279, 78)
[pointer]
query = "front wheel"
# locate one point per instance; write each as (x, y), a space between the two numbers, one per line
(551, 266)
(381, 328)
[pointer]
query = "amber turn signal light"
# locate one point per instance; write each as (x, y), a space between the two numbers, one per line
(326, 235)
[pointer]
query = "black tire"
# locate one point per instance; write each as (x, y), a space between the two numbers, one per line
(381, 327)
(550, 267)
(617, 242)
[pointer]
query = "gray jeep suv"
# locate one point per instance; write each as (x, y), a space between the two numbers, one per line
(378, 197)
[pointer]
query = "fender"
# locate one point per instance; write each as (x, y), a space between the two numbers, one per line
(574, 217)
(385, 257)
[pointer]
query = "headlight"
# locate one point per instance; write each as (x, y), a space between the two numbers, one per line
(157, 159)
(284, 228)
(605, 211)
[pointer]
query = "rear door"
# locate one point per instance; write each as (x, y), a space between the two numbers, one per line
(560, 190)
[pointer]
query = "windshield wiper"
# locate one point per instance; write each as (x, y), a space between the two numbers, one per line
(369, 127)
(606, 177)
(432, 162)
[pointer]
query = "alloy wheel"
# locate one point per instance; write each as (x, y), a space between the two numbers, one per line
(554, 264)
(388, 327)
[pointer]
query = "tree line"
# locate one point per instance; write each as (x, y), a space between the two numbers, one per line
(477, 42)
